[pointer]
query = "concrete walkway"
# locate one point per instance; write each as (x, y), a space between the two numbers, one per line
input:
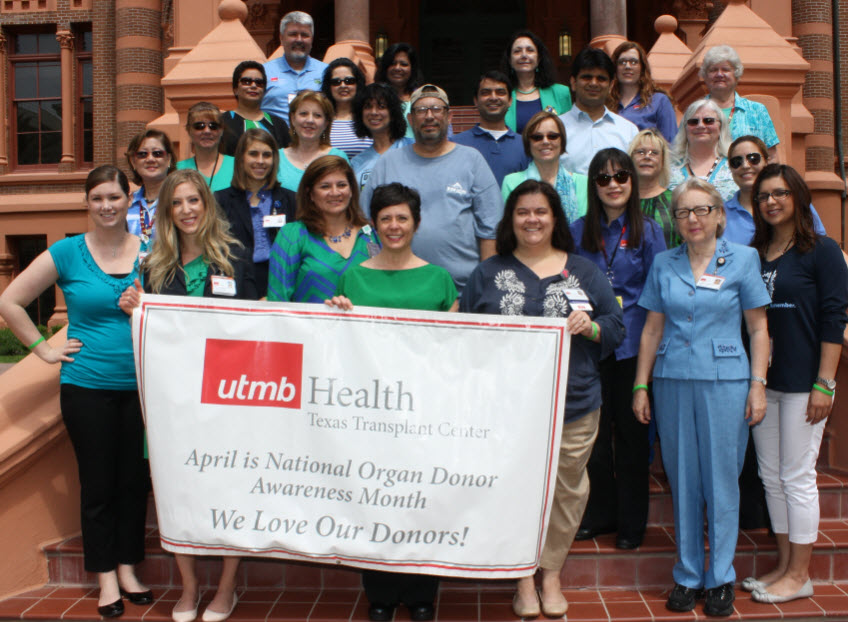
(5, 366)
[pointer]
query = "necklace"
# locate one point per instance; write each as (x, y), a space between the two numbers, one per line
(335, 239)
(785, 248)
(214, 168)
(709, 173)
(523, 92)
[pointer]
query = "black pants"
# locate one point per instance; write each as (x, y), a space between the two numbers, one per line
(618, 466)
(391, 588)
(107, 433)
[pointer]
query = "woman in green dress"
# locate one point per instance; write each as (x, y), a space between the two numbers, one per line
(398, 279)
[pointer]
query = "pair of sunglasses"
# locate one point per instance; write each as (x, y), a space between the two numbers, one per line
(260, 82)
(753, 159)
(202, 125)
(620, 177)
(348, 81)
(551, 136)
(156, 153)
(706, 121)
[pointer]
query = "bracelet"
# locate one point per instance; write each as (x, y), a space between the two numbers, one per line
(640, 386)
(818, 387)
(36, 342)
(595, 330)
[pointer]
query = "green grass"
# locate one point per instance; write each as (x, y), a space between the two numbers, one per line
(11, 358)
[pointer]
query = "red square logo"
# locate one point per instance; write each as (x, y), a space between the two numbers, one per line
(252, 373)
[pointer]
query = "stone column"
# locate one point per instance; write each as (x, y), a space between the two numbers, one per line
(66, 43)
(607, 23)
(352, 38)
(4, 120)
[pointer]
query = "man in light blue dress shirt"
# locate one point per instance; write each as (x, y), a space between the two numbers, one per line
(295, 70)
(590, 126)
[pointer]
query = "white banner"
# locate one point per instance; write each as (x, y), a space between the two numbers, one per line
(380, 438)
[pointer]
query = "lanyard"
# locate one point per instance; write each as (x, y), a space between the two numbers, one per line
(614, 251)
(145, 219)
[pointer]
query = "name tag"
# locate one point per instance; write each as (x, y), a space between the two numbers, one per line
(142, 255)
(223, 286)
(273, 221)
(291, 96)
(711, 281)
(578, 299)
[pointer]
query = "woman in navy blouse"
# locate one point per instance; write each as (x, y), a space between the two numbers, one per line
(618, 238)
(808, 282)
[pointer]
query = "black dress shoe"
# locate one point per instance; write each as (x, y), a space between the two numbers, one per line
(587, 533)
(720, 600)
(379, 612)
(683, 598)
(627, 543)
(422, 611)
(112, 610)
(138, 598)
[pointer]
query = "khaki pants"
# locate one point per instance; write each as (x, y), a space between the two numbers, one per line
(572, 488)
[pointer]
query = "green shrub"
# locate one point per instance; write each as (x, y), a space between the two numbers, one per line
(11, 345)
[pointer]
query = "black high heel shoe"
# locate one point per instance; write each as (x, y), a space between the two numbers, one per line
(138, 598)
(112, 610)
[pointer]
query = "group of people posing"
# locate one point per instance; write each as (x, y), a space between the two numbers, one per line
(692, 272)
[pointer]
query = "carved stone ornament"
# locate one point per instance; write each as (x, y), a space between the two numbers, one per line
(65, 39)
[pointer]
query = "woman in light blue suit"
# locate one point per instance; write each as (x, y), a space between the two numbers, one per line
(704, 388)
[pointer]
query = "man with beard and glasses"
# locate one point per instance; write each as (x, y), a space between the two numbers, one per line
(295, 70)
(460, 198)
(500, 146)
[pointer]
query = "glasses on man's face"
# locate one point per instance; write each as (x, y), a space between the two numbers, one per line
(778, 195)
(156, 153)
(551, 136)
(421, 111)
(628, 62)
(753, 159)
(245, 81)
(347, 80)
(647, 152)
(202, 125)
(693, 122)
(682, 213)
(620, 177)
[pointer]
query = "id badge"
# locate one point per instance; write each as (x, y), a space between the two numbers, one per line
(223, 285)
(273, 221)
(291, 96)
(711, 281)
(578, 299)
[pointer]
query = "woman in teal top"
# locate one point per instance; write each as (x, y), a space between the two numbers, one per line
(311, 117)
(544, 141)
(195, 255)
(205, 130)
(527, 63)
(98, 395)
(398, 279)
(330, 236)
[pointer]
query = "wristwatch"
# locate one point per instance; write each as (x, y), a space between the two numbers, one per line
(829, 384)
(762, 381)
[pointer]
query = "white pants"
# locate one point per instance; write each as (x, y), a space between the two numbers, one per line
(787, 450)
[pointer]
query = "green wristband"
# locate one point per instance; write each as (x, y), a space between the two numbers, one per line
(595, 330)
(36, 342)
(640, 386)
(820, 388)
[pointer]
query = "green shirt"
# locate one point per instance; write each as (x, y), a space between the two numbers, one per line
(426, 288)
(658, 208)
(223, 173)
(195, 276)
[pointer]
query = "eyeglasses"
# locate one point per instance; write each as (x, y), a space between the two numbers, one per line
(753, 159)
(693, 122)
(260, 82)
(551, 136)
(202, 125)
(620, 177)
(777, 195)
(682, 213)
(347, 80)
(628, 62)
(156, 153)
(421, 111)
(647, 152)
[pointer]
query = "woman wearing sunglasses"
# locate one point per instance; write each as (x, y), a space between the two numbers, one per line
(249, 82)
(808, 282)
(151, 158)
(205, 132)
(343, 81)
(618, 238)
(748, 155)
(544, 142)
(700, 148)
(706, 394)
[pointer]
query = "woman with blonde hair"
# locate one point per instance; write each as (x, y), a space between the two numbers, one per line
(311, 119)
(194, 255)
(650, 154)
(205, 130)
(331, 235)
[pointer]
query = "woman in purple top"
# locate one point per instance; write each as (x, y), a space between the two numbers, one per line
(634, 95)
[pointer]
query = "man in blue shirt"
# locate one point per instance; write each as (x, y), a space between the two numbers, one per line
(295, 70)
(590, 126)
(502, 148)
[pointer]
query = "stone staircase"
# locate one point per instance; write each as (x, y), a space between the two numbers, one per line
(601, 582)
